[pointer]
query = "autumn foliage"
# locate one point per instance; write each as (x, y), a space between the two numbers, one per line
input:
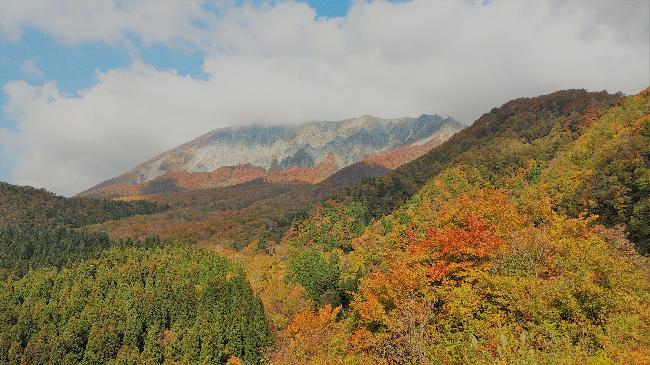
(499, 257)
(310, 338)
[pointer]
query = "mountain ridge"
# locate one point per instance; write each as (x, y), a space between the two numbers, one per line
(521, 121)
(306, 152)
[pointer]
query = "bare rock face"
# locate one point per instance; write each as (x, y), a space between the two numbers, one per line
(308, 152)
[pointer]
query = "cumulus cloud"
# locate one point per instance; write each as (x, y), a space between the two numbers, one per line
(280, 63)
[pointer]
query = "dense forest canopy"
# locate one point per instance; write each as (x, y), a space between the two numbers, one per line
(27, 247)
(21, 204)
(133, 306)
(514, 251)
(71, 295)
(38, 228)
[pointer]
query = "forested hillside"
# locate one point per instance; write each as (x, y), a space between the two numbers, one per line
(27, 247)
(497, 144)
(73, 296)
(21, 204)
(500, 257)
(133, 306)
(235, 216)
(38, 228)
(606, 172)
(508, 146)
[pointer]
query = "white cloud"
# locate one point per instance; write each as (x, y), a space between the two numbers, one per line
(30, 69)
(111, 21)
(281, 64)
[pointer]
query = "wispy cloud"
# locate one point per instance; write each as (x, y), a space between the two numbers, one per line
(30, 69)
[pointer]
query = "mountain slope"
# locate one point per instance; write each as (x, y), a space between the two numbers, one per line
(38, 207)
(519, 137)
(513, 243)
(234, 216)
(309, 152)
(606, 172)
(498, 142)
(497, 258)
(38, 228)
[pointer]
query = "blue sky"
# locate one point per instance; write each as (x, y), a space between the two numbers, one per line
(98, 87)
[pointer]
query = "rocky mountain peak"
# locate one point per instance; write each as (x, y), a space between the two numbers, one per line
(280, 148)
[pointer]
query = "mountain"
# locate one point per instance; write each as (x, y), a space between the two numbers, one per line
(498, 142)
(511, 243)
(506, 147)
(309, 152)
